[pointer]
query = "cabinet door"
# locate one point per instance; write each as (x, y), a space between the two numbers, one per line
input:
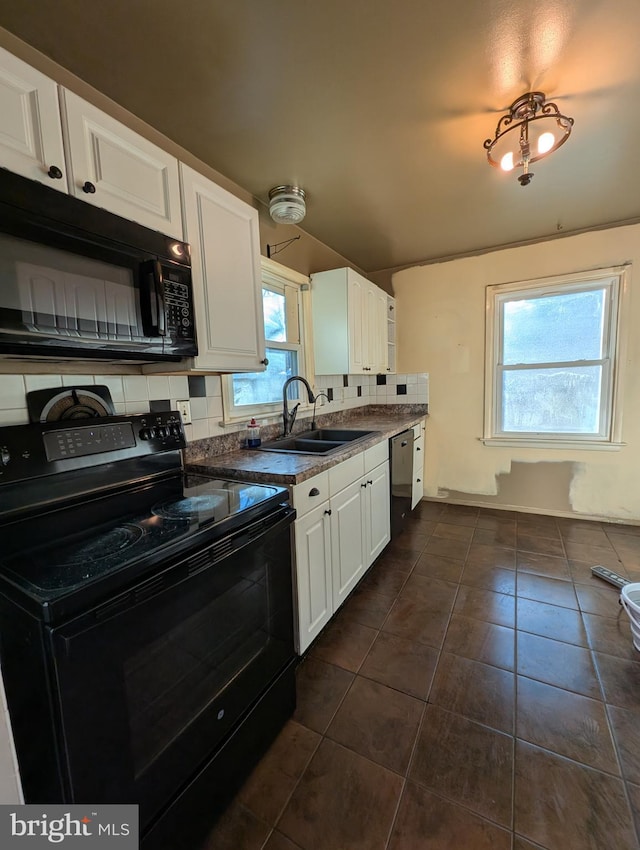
(225, 256)
(30, 131)
(347, 540)
(378, 511)
(391, 334)
(313, 574)
(375, 347)
(381, 335)
(113, 167)
(356, 305)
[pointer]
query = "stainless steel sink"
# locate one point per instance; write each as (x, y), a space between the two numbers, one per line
(321, 441)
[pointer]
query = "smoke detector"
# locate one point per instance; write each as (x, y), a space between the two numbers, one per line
(286, 204)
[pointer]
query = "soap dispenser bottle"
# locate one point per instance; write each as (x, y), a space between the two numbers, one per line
(253, 434)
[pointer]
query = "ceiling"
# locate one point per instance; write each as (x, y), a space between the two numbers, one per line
(378, 109)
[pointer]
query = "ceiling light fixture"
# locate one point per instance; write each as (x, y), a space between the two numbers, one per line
(287, 204)
(539, 127)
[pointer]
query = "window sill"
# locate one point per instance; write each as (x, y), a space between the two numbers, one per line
(533, 443)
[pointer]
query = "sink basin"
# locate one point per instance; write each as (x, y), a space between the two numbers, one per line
(339, 435)
(321, 441)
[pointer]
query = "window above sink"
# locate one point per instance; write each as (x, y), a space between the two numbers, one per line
(284, 315)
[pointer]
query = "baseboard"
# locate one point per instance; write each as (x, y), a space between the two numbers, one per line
(528, 510)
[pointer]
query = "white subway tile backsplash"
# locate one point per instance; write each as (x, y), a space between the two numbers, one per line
(132, 394)
(214, 408)
(140, 406)
(14, 416)
(179, 386)
(158, 387)
(12, 391)
(135, 389)
(213, 385)
(200, 429)
(42, 382)
(199, 408)
(77, 380)
(114, 384)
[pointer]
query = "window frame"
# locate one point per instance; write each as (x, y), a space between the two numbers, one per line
(609, 436)
(295, 287)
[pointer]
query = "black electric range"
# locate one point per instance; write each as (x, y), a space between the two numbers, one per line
(167, 594)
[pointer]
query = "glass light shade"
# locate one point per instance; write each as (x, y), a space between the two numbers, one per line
(506, 163)
(287, 204)
(545, 142)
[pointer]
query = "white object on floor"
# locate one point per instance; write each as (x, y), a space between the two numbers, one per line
(630, 599)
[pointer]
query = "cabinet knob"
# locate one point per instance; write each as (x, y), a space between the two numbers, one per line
(363, 485)
(388, 368)
(88, 188)
(265, 362)
(54, 173)
(370, 482)
(418, 449)
(314, 491)
(328, 512)
(418, 480)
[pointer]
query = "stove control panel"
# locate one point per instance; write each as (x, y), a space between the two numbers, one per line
(41, 448)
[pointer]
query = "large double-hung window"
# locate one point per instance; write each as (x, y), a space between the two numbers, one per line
(554, 360)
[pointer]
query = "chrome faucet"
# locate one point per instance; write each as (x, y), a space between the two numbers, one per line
(289, 418)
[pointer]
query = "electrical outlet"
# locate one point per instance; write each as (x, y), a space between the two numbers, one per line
(184, 407)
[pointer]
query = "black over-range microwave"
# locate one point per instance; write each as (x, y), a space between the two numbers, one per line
(78, 281)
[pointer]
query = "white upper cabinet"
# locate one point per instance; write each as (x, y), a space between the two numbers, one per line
(227, 284)
(113, 167)
(30, 133)
(349, 324)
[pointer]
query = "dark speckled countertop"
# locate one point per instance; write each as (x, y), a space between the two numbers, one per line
(276, 468)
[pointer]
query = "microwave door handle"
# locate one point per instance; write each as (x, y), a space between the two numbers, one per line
(158, 283)
(152, 299)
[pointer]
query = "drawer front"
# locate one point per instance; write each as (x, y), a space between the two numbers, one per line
(376, 455)
(346, 473)
(310, 493)
(418, 430)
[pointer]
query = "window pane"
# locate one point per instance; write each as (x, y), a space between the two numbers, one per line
(266, 387)
(552, 400)
(275, 317)
(554, 328)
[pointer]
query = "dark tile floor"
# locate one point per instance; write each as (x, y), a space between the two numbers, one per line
(479, 691)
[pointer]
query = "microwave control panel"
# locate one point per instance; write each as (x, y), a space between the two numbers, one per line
(178, 306)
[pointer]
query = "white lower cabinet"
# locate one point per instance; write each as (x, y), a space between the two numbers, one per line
(342, 526)
(347, 540)
(313, 573)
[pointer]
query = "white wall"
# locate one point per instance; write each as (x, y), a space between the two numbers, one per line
(441, 327)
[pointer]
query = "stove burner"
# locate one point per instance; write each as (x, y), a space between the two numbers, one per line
(103, 546)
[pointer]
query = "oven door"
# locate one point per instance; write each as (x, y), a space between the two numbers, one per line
(153, 681)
